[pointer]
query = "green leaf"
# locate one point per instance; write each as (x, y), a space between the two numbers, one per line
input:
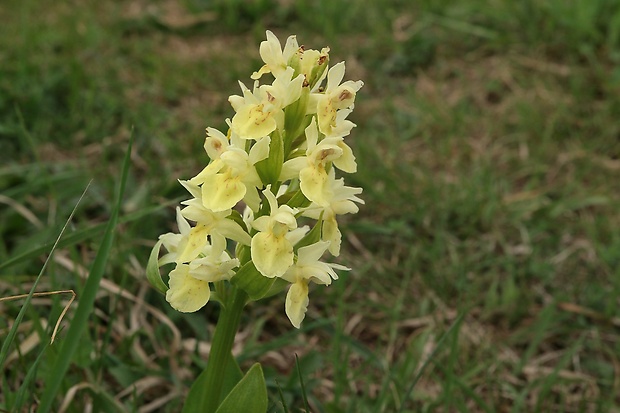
(232, 376)
(250, 280)
(303, 386)
(152, 270)
(249, 395)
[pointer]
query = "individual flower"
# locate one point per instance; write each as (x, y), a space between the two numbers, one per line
(272, 246)
(335, 97)
(312, 168)
(189, 283)
(175, 243)
(259, 112)
(231, 176)
(254, 119)
(342, 200)
(276, 59)
(213, 224)
(342, 125)
(308, 268)
(284, 90)
(186, 293)
(312, 64)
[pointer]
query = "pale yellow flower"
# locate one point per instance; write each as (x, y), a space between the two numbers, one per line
(231, 176)
(276, 59)
(254, 121)
(186, 293)
(311, 168)
(342, 125)
(210, 223)
(175, 243)
(308, 268)
(216, 143)
(335, 97)
(312, 64)
(284, 90)
(189, 283)
(341, 201)
(259, 112)
(272, 246)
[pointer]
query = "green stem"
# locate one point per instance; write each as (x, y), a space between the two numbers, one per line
(221, 346)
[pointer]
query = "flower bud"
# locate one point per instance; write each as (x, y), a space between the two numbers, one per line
(311, 63)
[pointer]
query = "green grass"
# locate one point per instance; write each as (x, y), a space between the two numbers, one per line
(488, 251)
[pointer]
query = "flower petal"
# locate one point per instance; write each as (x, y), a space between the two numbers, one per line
(272, 255)
(313, 184)
(259, 151)
(346, 162)
(182, 223)
(215, 143)
(311, 253)
(332, 233)
(334, 76)
(297, 302)
(222, 192)
(326, 112)
(197, 240)
(290, 47)
(291, 168)
(234, 231)
(186, 294)
(253, 122)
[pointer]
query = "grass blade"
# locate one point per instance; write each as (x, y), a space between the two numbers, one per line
(22, 396)
(86, 301)
(284, 406)
(456, 323)
(303, 386)
(4, 351)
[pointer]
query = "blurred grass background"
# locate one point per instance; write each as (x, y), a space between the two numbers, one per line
(488, 145)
